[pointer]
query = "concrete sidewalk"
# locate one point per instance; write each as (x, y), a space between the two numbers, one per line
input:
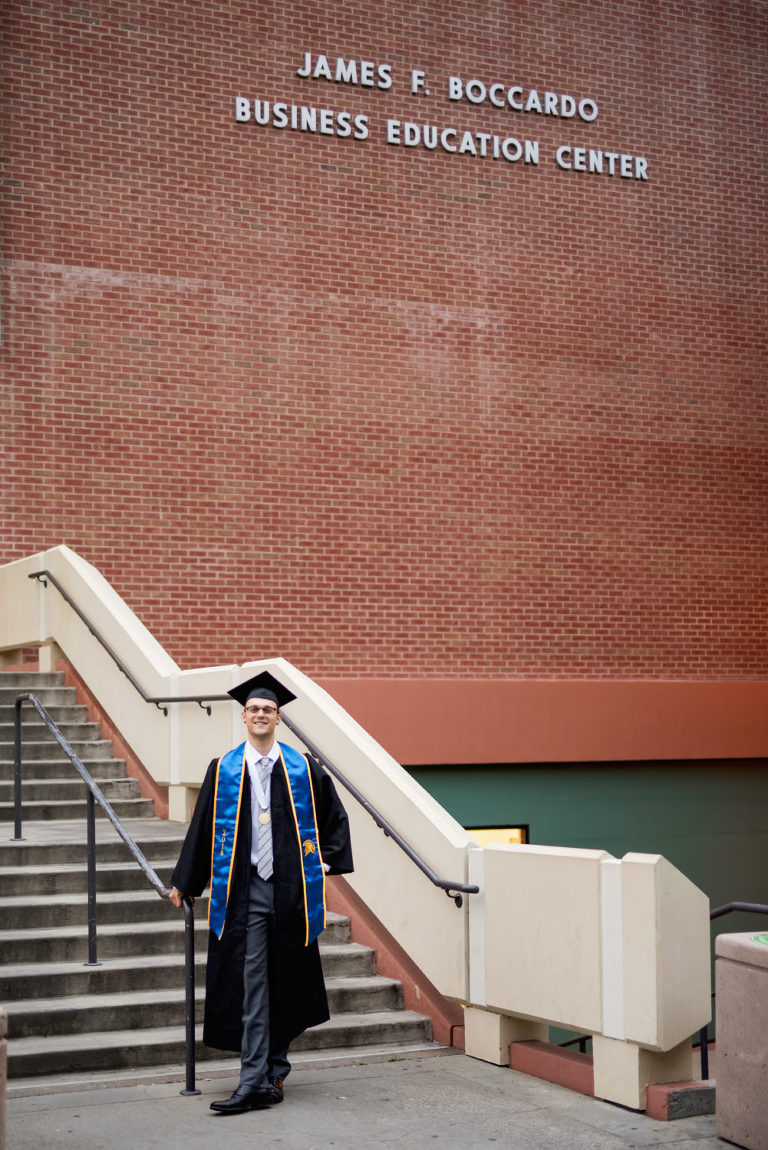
(443, 1099)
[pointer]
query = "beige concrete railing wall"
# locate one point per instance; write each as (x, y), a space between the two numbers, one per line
(618, 949)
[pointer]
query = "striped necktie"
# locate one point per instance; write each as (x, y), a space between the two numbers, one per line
(264, 848)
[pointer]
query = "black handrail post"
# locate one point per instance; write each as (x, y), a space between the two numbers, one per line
(189, 991)
(17, 769)
(91, 822)
(704, 1048)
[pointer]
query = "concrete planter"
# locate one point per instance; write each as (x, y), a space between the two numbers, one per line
(741, 976)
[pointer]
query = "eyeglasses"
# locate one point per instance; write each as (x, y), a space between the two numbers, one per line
(260, 710)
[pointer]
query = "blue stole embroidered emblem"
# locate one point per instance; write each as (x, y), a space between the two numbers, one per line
(228, 795)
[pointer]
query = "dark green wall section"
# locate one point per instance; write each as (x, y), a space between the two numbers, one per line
(710, 819)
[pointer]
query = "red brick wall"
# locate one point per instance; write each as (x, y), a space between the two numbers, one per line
(384, 410)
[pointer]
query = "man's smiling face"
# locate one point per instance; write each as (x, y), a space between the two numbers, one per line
(261, 718)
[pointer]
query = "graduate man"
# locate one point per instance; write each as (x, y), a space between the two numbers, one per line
(267, 828)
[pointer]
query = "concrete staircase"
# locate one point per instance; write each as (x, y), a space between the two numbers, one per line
(65, 1017)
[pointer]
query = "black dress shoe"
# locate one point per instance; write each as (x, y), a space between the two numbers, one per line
(247, 1098)
(276, 1086)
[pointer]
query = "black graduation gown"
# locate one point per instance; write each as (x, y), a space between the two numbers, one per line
(296, 987)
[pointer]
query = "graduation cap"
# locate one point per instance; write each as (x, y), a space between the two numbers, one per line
(262, 686)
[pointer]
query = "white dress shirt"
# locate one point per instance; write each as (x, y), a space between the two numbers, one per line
(252, 759)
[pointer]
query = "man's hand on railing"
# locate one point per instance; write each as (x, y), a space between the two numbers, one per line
(177, 898)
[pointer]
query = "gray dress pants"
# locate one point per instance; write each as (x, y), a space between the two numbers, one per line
(256, 1067)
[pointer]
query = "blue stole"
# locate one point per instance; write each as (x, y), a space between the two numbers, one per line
(228, 795)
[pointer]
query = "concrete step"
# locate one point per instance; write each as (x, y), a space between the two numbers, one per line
(72, 847)
(33, 728)
(72, 878)
(59, 712)
(132, 1010)
(164, 1045)
(62, 979)
(138, 1010)
(128, 1049)
(360, 994)
(70, 943)
(121, 940)
(47, 811)
(32, 749)
(69, 789)
(223, 1065)
(49, 696)
(39, 770)
(39, 912)
(29, 680)
(364, 1029)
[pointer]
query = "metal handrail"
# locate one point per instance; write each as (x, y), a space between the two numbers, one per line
(454, 890)
(94, 794)
(718, 912)
(749, 907)
(45, 576)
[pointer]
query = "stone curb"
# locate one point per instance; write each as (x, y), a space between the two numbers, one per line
(667, 1101)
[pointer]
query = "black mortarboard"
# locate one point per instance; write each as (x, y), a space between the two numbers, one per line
(262, 686)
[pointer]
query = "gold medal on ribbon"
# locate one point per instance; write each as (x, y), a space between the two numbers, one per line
(264, 818)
